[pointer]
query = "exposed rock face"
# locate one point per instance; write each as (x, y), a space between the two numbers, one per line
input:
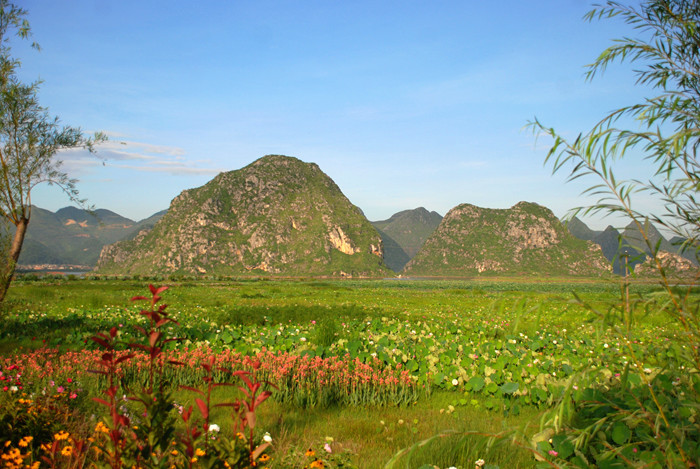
(525, 239)
(277, 216)
(673, 264)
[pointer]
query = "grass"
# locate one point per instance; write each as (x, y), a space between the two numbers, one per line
(62, 313)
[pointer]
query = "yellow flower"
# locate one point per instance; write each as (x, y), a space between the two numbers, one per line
(199, 452)
(101, 428)
(316, 463)
(193, 460)
(62, 435)
(36, 465)
(67, 451)
(24, 442)
(174, 452)
(7, 443)
(310, 453)
(264, 458)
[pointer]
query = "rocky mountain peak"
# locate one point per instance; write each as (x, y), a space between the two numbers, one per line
(277, 215)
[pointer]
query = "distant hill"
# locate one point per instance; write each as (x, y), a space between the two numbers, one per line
(526, 239)
(580, 230)
(404, 233)
(277, 216)
(675, 267)
(630, 244)
(72, 237)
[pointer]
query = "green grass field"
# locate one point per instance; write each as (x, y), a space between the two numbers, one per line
(478, 357)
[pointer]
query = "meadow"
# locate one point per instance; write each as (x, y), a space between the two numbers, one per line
(362, 373)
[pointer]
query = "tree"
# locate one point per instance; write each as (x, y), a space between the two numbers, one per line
(669, 132)
(667, 56)
(29, 142)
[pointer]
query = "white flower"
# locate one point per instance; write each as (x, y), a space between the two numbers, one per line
(480, 462)
(267, 438)
(14, 388)
(606, 345)
(455, 382)
(214, 428)
(303, 339)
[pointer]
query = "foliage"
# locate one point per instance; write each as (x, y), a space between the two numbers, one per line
(636, 420)
(521, 346)
(138, 427)
(29, 141)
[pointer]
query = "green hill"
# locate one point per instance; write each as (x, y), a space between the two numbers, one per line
(70, 237)
(526, 239)
(404, 234)
(277, 216)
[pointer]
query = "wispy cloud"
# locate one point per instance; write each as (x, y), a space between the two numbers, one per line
(135, 156)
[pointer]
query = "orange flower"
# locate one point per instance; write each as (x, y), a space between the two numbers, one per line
(310, 453)
(101, 428)
(67, 451)
(317, 463)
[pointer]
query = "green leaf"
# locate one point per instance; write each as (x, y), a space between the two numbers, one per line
(621, 433)
(477, 383)
(563, 446)
(509, 388)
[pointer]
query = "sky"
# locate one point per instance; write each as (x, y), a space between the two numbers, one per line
(402, 103)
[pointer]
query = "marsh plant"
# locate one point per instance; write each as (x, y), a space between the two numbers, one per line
(140, 423)
(646, 416)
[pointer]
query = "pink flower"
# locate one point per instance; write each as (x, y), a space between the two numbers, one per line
(73, 395)
(60, 389)
(327, 447)
(553, 453)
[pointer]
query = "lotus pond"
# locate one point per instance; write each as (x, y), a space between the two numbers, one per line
(376, 366)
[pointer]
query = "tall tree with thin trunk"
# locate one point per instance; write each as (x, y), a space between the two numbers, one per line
(29, 141)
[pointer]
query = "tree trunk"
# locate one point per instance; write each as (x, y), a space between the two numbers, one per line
(13, 256)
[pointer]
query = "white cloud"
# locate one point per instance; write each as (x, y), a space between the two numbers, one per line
(141, 156)
(172, 169)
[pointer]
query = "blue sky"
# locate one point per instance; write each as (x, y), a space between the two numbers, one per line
(402, 103)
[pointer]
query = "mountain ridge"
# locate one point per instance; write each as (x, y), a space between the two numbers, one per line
(276, 216)
(526, 239)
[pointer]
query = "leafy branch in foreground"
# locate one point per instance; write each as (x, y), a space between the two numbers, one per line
(636, 419)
